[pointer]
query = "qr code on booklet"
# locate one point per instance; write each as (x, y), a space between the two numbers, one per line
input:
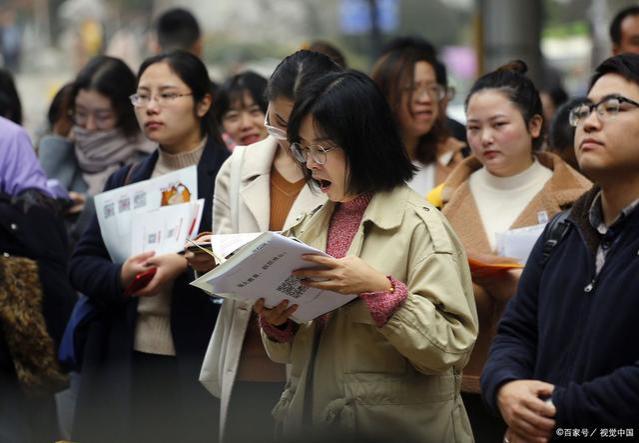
(292, 287)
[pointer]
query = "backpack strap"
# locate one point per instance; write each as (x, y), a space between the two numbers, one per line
(557, 230)
(234, 192)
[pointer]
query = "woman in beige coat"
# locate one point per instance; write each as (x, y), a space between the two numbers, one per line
(388, 363)
(259, 188)
(506, 184)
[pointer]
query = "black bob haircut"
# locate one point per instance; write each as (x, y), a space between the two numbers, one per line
(177, 28)
(615, 25)
(625, 65)
(234, 90)
(349, 109)
(112, 78)
(191, 70)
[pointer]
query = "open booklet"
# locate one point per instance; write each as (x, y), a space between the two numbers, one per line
(262, 268)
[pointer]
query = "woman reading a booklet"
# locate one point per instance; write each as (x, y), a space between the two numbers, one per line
(142, 358)
(259, 188)
(506, 184)
(388, 363)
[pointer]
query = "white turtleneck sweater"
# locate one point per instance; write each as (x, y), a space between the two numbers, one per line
(501, 200)
(153, 327)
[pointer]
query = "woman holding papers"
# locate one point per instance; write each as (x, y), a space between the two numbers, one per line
(506, 184)
(259, 188)
(389, 363)
(143, 355)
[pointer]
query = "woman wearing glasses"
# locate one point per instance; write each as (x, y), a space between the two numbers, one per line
(143, 354)
(240, 108)
(105, 135)
(413, 81)
(506, 184)
(259, 188)
(387, 364)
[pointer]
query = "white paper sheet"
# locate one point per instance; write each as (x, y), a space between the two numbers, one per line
(115, 208)
(225, 244)
(164, 230)
(518, 243)
(262, 269)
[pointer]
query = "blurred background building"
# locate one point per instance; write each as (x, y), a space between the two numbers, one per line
(44, 42)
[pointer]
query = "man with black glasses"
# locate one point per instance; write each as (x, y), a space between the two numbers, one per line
(566, 356)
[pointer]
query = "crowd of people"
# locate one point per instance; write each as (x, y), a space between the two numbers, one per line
(448, 339)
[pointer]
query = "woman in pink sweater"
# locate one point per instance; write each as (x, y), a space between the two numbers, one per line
(389, 361)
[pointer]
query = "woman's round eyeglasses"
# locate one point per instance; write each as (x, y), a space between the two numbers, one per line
(317, 152)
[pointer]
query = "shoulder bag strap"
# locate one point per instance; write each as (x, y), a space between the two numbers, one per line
(236, 179)
(556, 232)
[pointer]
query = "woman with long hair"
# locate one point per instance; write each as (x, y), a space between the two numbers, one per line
(271, 192)
(104, 137)
(413, 81)
(143, 354)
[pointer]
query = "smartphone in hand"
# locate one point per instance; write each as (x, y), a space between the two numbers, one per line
(140, 281)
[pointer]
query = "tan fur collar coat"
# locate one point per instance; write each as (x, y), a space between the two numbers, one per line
(564, 187)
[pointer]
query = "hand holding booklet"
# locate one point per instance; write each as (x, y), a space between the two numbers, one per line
(262, 268)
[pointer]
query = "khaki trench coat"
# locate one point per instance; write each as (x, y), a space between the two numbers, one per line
(405, 375)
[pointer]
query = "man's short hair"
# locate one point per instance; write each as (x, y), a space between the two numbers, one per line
(625, 65)
(615, 25)
(177, 28)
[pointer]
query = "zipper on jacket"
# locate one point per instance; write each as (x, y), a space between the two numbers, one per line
(590, 286)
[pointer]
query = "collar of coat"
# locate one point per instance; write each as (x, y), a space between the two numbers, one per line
(579, 215)
(565, 186)
(386, 210)
(259, 159)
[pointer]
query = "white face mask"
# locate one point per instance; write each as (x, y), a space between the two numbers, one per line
(275, 132)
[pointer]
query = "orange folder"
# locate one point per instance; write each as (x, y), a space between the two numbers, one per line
(479, 268)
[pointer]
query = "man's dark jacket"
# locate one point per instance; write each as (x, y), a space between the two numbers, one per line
(574, 329)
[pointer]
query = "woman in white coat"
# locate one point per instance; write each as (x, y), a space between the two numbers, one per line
(259, 188)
